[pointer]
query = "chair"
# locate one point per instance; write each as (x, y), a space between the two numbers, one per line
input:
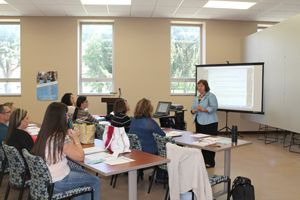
(42, 187)
(161, 142)
(18, 171)
(3, 164)
(213, 180)
(134, 144)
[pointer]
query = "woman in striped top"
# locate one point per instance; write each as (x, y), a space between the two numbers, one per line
(119, 117)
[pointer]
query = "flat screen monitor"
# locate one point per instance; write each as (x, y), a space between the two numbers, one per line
(163, 108)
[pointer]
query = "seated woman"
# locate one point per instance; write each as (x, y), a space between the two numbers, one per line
(119, 118)
(144, 126)
(70, 100)
(54, 144)
(81, 112)
(16, 134)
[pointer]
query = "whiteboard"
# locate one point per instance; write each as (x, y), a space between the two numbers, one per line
(279, 48)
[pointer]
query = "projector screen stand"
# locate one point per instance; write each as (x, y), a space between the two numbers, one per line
(226, 127)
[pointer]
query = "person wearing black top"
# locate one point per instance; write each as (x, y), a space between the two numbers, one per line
(119, 117)
(17, 136)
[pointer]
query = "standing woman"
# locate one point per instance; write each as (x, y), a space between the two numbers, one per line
(204, 109)
(17, 136)
(55, 142)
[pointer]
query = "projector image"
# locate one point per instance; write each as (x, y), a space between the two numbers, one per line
(176, 107)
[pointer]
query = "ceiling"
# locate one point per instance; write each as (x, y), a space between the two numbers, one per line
(264, 10)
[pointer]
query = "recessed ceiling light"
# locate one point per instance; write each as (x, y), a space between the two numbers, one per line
(229, 4)
(106, 2)
(3, 2)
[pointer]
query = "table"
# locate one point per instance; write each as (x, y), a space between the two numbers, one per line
(187, 140)
(141, 160)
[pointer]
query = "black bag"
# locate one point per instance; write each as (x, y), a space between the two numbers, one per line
(242, 189)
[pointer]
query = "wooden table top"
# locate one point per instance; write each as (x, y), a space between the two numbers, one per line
(141, 160)
(187, 140)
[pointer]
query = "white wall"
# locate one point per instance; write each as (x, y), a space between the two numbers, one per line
(279, 48)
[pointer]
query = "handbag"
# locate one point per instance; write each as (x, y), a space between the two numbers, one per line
(116, 140)
(87, 132)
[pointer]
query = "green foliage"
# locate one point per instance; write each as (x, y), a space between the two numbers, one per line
(185, 54)
(97, 57)
(9, 50)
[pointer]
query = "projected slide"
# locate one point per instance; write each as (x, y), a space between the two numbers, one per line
(238, 87)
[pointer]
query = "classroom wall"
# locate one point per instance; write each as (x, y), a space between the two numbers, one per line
(141, 60)
(279, 48)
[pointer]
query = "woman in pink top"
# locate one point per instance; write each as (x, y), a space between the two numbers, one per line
(55, 142)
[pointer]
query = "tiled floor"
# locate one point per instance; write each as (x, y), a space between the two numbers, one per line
(274, 171)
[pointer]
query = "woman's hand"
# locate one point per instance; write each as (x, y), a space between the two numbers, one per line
(201, 109)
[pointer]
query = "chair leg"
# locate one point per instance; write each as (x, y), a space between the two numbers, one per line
(112, 179)
(152, 179)
(92, 195)
(21, 193)
(115, 181)
(228, 189)
(167, 193)
(7, 192)
(193, 197)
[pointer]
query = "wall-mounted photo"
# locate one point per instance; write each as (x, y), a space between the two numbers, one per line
(47, 86)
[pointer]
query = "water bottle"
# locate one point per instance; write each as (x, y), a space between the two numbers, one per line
(234, 134)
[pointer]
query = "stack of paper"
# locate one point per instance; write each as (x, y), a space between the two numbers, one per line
(107, 158)
(92, 150)
(199, 135)
(206, 141)
(174, 133)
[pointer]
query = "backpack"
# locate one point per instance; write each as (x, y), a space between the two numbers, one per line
(242, 189)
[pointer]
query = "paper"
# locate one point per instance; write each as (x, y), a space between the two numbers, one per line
(106, 158)
(199, 135)
(206, 141)
(173, 133)
(92, 150)
(118, 160)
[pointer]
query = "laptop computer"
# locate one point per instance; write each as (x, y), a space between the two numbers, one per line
(162, 109)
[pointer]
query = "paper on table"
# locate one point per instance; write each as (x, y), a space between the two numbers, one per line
(173, 133)
(118, 160)
(199, 135)
(106, 158)
(93, 158)
(92, 150)
(206, 141)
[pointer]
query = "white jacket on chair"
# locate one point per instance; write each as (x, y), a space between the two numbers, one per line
(187, 172)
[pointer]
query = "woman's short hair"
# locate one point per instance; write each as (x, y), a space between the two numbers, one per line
(143, 108)
(66, 99)
(120, 106)
(205, 83)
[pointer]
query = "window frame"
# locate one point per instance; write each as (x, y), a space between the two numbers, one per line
(81, 80)
(13, 80)
(202, 26)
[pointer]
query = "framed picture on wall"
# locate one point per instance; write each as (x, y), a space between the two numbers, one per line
(47, 86)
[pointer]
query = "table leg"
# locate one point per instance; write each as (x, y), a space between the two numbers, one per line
(227, 160)
(132, 185)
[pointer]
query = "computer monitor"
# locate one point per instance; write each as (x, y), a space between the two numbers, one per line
(163, 108)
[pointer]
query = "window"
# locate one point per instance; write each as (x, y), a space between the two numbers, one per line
(96, 58)
(185, 54)
(10, 68)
